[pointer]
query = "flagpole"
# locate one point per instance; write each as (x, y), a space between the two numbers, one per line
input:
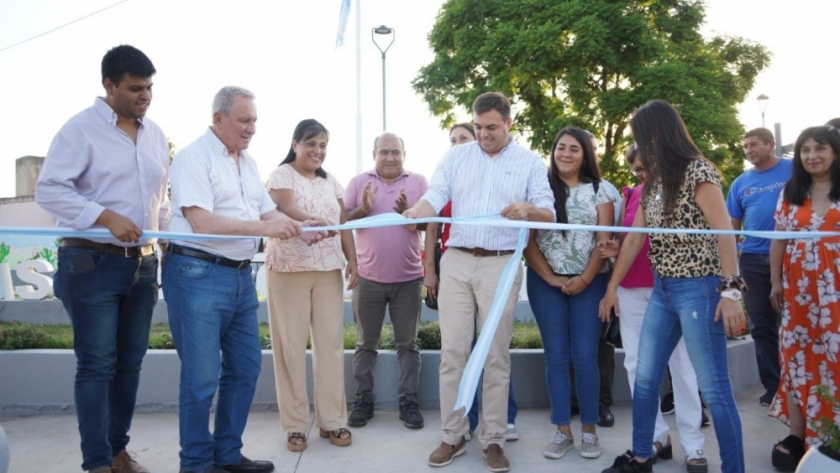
(358, 87)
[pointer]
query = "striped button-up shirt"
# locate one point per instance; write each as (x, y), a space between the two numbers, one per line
(477, 184)
(92, 165)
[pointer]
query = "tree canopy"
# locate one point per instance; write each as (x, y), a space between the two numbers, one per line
(590, 63)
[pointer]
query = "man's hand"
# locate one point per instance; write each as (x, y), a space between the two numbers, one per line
(431, 281)
(121, 227)
(321, 222)
(283, 228)
(310, 238)
(401, 204)
(517, 211)
(368, 196)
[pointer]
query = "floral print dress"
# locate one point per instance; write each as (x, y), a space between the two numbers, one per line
(810, 329)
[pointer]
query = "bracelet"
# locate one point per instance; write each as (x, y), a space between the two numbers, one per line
(582, 279)
(733, 281)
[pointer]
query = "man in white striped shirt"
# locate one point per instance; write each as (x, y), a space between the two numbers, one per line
(491, 175)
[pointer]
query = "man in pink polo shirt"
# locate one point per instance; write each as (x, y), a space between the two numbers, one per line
(390, 274)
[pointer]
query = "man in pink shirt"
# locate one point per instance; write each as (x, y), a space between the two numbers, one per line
(390, 274)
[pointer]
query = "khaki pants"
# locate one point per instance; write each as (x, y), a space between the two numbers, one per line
(300, 304)
(467, 286)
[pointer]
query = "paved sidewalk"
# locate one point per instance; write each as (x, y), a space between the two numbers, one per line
(49, 444)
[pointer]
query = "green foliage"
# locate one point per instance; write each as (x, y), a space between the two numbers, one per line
(828, 429)
(16, 336)
(4, 252)
(590, 63)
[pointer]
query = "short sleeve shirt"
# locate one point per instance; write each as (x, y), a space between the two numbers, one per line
(317, 198)
(683, 255)
(570, 253)
(204, 175)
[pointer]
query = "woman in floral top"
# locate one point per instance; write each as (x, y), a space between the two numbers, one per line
(696, 287)
(805, 289)
(306, 291)
(566, 279)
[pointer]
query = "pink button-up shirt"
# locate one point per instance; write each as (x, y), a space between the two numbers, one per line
(387, 254)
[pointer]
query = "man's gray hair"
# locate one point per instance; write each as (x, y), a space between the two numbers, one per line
(223, 102)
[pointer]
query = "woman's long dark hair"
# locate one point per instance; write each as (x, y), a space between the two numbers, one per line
(589, 170)
(665, 148)
(305, 130)
(798, 187)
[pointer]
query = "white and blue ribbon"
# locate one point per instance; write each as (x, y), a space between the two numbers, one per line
(475, 364)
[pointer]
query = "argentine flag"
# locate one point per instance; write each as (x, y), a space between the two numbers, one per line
(342, 22)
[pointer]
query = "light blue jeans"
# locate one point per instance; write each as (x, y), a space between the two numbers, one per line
(213, 318)
(685, 307)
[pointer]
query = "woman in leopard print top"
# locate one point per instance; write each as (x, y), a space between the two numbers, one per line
(684, 191)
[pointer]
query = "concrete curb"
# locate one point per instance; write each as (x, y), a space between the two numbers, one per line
(41, 381)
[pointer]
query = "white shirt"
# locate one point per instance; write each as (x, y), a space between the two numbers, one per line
(92, 165)
(477, 184)
(204, 175)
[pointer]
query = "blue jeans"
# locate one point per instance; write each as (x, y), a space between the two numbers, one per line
(685, 307)
(570, 328)
(110, 300)
(764, 320)
(213, 317)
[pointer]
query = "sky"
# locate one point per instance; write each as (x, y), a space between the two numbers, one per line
(285, 53)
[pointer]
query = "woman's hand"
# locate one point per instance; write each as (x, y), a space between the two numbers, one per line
(557, 281)
(608, 305)
(431, 281)
(574, 286)
(732, 312)
(777, 296)
(351, 274)
(608, 249)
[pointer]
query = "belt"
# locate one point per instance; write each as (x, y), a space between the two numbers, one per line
(482, 251)
(126, 251)
(209, 257)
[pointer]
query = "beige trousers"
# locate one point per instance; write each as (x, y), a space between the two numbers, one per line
(300, 304)
(467, 286)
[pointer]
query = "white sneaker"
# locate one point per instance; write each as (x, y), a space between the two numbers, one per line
(589, 446)
(558, 446)
(511, 433)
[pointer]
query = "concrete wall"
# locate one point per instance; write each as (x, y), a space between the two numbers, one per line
(41, 381)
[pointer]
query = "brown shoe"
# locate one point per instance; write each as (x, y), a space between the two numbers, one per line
(124, 463)
(445, 453)
(496, 459)
(339, 437)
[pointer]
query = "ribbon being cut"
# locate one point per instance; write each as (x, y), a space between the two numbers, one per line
(475, 364)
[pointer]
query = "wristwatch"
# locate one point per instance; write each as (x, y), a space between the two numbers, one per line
(733, 294)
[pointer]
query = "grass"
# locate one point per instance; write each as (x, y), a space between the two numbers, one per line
(17, 336)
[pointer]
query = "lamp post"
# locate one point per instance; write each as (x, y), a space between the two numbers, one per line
(762, 105)
(383, 30)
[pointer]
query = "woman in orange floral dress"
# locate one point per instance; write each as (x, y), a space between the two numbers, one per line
(804, 276)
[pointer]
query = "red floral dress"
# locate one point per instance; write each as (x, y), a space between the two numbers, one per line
(810, 330)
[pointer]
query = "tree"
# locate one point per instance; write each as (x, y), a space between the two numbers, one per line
(590, 63)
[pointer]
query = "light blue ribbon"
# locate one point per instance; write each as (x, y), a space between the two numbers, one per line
(475, 364)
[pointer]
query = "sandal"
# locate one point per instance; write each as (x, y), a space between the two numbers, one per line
(789, 460)
(339, 437)
(296, 441)
(665, 452)
(695, 462)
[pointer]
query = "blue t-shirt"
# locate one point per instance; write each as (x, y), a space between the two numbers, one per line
(752, 199)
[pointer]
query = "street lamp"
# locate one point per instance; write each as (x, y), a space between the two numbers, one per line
(762, 105)
(383, 30)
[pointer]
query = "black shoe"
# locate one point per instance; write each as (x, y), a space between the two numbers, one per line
(410, 414)
(626, 464)
(704, 419)
(767, 398)
(246, 465)
(362, 411)
(795, 451)
(605, 416)
(667, 404)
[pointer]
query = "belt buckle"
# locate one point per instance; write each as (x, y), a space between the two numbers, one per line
(126, 251)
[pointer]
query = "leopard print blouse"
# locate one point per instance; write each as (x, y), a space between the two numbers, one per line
(683, 256)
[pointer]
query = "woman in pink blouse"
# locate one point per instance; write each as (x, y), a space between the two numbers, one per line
(306, 291)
